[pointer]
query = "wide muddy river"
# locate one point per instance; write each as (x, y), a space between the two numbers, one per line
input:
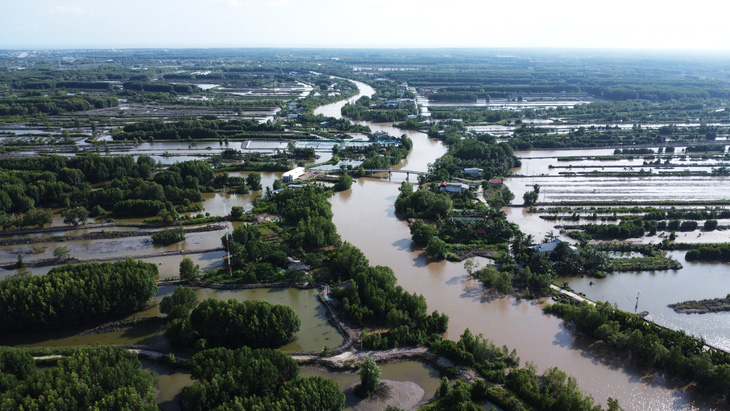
(365, 217)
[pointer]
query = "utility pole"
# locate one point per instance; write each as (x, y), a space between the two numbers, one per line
(228, 244)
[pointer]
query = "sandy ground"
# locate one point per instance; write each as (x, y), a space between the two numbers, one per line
(402, 394)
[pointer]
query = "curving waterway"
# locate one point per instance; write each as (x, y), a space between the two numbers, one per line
(365, 217)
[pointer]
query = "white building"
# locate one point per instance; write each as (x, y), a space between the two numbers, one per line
(292, 175)
(453, 187)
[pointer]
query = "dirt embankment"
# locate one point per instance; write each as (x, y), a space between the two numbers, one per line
(8, 233)
(58, 261)
(101, 235)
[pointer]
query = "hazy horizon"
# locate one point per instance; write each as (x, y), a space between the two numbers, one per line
(564, 24)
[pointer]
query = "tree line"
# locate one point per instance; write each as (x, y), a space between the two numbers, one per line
(681, 355)
(246, 379)
(709, 252)
(61, 182)
(76, 294)
(160, 87)
(86, 379)
(53, 105)
(193, 129)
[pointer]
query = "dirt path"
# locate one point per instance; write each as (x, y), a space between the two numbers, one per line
(349, 359)
(571, 294)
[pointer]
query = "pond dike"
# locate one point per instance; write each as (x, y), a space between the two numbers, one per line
(57, 261)
(100, 235)
(350, 333)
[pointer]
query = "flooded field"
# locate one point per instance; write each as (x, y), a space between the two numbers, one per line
(364, 216)
(171, 383)
(315, 332)
(634, 189)
(657, 289)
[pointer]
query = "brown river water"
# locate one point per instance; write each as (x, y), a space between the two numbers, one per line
(365, 217)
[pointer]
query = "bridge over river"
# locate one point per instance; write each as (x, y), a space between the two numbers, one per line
(386, 170)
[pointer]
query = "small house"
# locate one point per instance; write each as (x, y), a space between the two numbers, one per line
(549, 247)
(495, 181)
(473, 172)
(453, 187)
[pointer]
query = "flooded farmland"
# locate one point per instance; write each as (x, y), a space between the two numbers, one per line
(364, 216)
(315, 333)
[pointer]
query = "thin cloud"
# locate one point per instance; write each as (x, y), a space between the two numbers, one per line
(67, 10)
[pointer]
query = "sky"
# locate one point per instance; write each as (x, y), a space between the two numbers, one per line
(619, 24)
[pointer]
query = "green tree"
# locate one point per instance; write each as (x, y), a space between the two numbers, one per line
(530, 198)
(168, 237)
(369, 378)
(422, 233)
(236, 212)
(436, 248)
(53, 300)
(254, 180)
(61, 253)
(710, 225)
(97, 211)
(253, 323)
(81, 381)
(343, 183)
(347, 261)
(188, 269)
(470, 266)
(182, 297)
